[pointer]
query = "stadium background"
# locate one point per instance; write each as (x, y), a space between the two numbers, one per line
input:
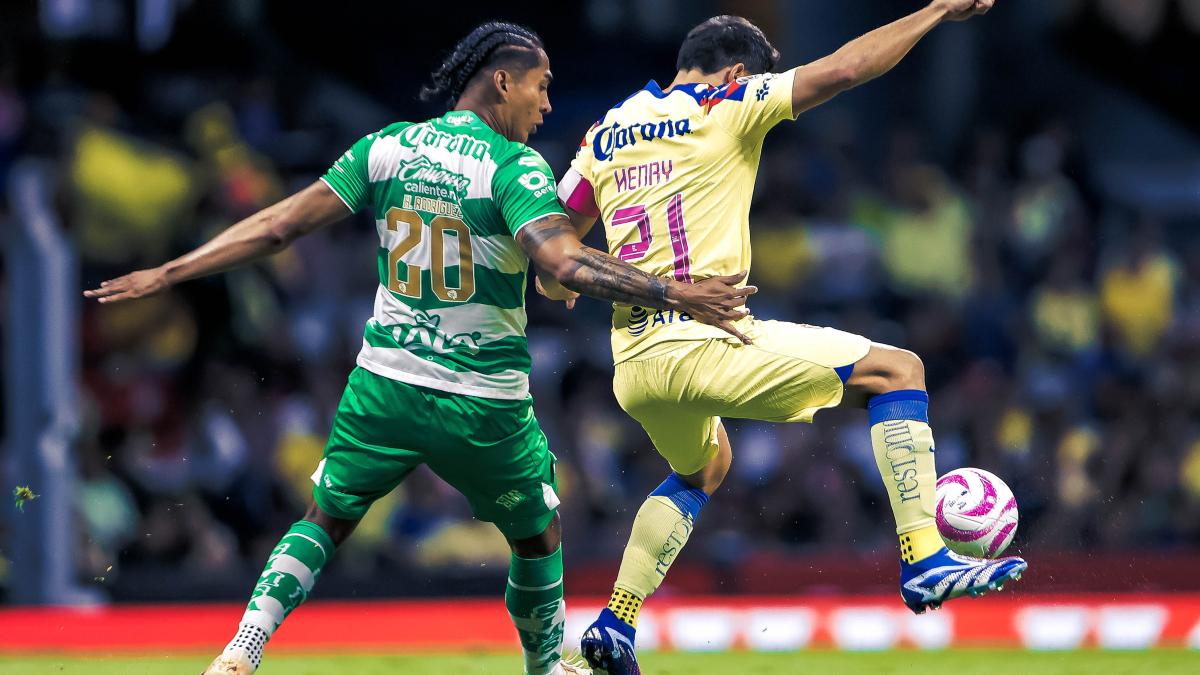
(1017, 202)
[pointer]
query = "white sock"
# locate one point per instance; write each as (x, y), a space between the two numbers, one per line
(250, 640)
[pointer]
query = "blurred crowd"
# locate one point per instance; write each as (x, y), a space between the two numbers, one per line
(1060, 334)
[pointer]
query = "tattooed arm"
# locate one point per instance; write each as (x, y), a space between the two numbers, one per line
(561, 259)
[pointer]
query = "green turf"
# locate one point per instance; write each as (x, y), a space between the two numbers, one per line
(954, 662)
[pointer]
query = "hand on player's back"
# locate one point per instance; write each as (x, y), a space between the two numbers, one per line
(961, 10)
(137, 284)
(556, 293)
(716, 301)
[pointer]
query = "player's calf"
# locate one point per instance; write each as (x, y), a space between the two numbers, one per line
(285, 582)
(661, 529)
(534, 599)
(902, 441)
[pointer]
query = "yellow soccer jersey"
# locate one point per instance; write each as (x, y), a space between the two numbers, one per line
(671, 175)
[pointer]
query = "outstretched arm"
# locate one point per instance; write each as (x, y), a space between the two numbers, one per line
(875, 53)
(562, 259)
(269, 231)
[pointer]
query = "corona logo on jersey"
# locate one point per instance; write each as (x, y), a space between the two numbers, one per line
(612, 138)
(464, 144)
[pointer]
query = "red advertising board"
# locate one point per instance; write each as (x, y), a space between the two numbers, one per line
(692, 624)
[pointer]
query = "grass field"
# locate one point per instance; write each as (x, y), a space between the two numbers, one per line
(952, 662)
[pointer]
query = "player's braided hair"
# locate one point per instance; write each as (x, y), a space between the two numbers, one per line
(490, 44)
(723, 41)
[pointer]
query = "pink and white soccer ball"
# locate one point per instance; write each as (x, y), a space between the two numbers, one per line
(976, 512)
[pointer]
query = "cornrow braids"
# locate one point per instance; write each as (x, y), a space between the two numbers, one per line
(488, 44)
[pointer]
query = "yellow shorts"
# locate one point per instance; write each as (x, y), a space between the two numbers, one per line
(679, 393)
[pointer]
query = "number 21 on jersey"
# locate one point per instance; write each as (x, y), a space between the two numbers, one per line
(637, 215)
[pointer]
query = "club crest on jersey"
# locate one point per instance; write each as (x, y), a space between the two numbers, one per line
(611, 138)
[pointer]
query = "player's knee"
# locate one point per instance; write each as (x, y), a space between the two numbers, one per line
(540, 545)
(907, 371)
(338, 529)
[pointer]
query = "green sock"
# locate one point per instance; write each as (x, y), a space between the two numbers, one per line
(284, 583)
(534, 599)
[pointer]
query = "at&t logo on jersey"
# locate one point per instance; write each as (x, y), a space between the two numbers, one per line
(637, 321)
(614, 137)
(640, 319)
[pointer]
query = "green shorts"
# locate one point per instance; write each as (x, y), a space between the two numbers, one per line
(490, 450)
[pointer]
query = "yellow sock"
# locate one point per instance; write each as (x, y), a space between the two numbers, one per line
(662, 527)
(903, 445)
(920, 543)
(625, 605)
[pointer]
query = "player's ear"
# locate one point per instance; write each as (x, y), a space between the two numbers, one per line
(502, 80)
(735, 71)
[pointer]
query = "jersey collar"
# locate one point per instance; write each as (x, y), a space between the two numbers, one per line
(697, 91)
(461, 118)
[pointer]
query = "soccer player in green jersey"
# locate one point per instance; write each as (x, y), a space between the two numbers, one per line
(461, 205)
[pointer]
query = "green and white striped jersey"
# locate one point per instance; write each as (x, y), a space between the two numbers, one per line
(449, 196)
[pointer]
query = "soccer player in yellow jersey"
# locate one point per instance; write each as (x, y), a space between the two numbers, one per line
(671, 171)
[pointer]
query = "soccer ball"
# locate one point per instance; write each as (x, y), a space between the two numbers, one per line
(976, 513)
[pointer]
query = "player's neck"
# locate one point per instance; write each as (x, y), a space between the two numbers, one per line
(486, 114)
(697, 77)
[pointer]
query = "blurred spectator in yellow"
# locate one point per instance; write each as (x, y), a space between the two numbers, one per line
(782, 254)
(1046, 206)
(1138, 292)
(129, 196)
(1014, 432)
(1075, 486)
(1065, 310)
(245, 179)
(926, 242)
(1189, 475)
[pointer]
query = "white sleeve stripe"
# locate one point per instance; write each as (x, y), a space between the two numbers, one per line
(544, 215)
(566, 186)
(339, 195)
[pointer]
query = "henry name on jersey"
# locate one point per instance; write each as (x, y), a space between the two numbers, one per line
(643, 175)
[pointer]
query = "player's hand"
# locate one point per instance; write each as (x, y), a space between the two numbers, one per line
(961, 10)
(137, 284)
(716, 301)
(561, 293)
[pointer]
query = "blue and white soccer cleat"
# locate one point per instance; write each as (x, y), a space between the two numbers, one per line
(607, 645)
(927, 583)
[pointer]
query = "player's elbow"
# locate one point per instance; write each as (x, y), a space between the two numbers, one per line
(275, 238)
(845, 75)
(279, 232)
